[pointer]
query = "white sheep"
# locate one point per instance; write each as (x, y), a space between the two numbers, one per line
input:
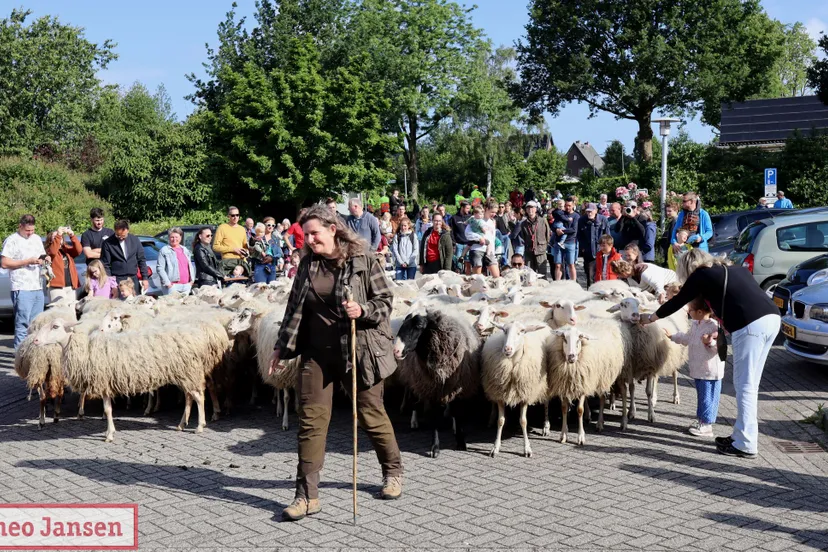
(514, 372)
(585, 360)
(266, 336)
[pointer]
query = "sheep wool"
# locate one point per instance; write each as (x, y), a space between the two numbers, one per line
(520, 379)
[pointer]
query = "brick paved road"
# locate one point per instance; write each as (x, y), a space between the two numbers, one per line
(653, 487)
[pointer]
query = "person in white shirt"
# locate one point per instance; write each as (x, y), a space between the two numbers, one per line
(481, 233)
(647, 276)
(22, 256)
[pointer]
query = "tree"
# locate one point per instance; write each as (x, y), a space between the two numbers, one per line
(422, 50)
(47, 82)
(790, 75)
(818, 72)
(634, 57)
(616, 161)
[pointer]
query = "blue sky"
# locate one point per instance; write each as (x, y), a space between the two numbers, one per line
(161, 42)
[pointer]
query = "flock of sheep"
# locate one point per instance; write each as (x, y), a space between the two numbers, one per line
(520, 339)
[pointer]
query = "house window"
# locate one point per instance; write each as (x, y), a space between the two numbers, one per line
(574, 157)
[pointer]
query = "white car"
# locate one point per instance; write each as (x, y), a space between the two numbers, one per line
(805, 326)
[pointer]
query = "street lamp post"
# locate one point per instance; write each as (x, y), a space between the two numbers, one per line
(664, 131)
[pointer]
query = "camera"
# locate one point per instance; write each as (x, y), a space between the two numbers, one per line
(629, 210)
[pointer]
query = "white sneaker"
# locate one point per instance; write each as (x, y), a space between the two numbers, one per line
(694, 425)
(702, 430)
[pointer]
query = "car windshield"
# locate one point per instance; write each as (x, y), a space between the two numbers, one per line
(745, 242)
(150, 251)
(803, 237)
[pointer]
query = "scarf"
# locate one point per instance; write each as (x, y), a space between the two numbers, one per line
(691, 219)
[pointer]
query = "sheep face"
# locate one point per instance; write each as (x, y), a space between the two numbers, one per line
(454, 290)
(56, 332)
(409, 335)
(515, 334)
(563, 312)
(235, 299)
(629, 309)
(572, 339)
(528, 277)
(486, 318)
(241, 322)
(113, 321)
(478, 284)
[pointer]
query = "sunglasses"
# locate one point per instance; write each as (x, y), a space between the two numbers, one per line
(270, 226)
(207, 236)
(236, 215)
(517, 265)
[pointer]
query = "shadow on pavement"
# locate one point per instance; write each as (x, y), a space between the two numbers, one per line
(817, 539)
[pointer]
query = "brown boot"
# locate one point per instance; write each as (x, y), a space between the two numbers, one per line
(300, 508)
(391, 487)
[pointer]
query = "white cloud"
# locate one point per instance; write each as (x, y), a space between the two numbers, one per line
(815, 26)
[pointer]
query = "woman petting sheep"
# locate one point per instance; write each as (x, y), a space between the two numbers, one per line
(748, 314)
(316, 327)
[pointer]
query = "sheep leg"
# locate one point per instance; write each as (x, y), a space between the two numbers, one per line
(602, 400)
(581, 434)
(202, 419)
(58, 401)
(214, 400)
(437, 416)
(501, 421)
(150, 401)
(676, 398)
(547, 427)
(404, 400)
(129, 403)
(285, 410)
(624, 412)
(185, 419)
(564, 412)
(41, 423)
(254, 395)
(493, 415)
(110, 425)
(414, 423)
(655, 390)
(631, 411)
(651, 384)
(527, 448)
(81, 405)
(457, 412)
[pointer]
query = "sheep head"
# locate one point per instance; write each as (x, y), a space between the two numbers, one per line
(572, 340)
(515, 334)
(235, 299)
(58, 332)
(486, 318)
(529, 277)
(409, 334)
(629, 308)
(112, 322)
(242, 321)
(563, 312)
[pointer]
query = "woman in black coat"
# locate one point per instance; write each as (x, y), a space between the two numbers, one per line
(208, 272)
(752, 320)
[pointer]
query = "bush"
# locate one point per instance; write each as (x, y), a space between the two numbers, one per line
(153, 227)
(55, 195)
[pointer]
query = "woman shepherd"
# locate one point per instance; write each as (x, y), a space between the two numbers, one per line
(317, 327)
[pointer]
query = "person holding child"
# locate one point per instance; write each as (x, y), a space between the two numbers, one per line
(98, 284)
(262, 253)
(704, 364)
(480, 234)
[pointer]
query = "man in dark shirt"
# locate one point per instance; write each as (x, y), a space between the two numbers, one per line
(123, 256)
(630, 228)
(92, 240)
(458, 233)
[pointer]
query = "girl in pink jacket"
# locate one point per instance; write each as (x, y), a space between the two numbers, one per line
(704, 365)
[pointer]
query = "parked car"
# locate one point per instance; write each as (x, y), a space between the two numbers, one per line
(728, 226)
(151, 248)
(805, 326)
(769, 248)
(809, 273)
(189, 234)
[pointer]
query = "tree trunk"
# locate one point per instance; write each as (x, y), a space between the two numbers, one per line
(411, 140)
(489, 167)
(644, 139)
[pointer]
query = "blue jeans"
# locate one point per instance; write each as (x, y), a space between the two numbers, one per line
(707, 403)
(506, 243)
(458, 255)
(520, 250)
(260, 274)
(27, 305)
(567, 254)
(180, 288)
(407, 273)
(751, 346)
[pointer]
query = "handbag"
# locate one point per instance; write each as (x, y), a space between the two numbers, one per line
(721, 338)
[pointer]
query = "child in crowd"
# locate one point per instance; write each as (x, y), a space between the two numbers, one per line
(681, 240)
(126, 288)
(98, 284)
(238, 272)
(607, 254)
(704, 365)
(558, 214)
(482, 228)
(385, 224)
(293, 264)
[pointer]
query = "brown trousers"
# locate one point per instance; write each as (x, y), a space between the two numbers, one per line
(321, 371)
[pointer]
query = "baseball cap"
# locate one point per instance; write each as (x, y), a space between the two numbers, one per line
(591, 207)
(533, 203)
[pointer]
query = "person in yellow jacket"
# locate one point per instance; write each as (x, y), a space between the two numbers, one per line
(458, 198)
(477, 197)
(684, 247)
(230, 241)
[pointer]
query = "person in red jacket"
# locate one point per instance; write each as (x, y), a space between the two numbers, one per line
(607, 254)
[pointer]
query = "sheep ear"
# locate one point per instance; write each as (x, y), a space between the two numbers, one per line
(126, 315)
(546, 304)
(408, 303)
(559, 332)
(586, 336)
(615, 308)
(580, 307)
(473, 312)
(535, 327)
(502, 314)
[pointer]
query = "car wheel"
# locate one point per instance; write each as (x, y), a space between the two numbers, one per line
(769, 285)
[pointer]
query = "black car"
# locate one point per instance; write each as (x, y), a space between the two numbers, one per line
(798, 278)
(189, 234)
(728, 226)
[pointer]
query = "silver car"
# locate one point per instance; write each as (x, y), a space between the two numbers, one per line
(770, 247)
(805, 326)
(151, 248)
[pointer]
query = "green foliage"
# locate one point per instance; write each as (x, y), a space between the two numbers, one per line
(48, 82)
(55, 195)
(790, 75)
(153, 227)
(818, 72)
(633, 57)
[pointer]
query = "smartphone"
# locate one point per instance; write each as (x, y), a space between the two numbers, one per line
(42, 257)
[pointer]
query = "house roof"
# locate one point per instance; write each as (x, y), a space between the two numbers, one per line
(589, 154)
(767, 122)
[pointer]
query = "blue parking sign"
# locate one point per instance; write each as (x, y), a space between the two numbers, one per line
(770, 182)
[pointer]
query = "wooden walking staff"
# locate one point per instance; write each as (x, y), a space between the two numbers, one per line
(349, 296)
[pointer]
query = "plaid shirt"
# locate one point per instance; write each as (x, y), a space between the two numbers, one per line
(371, 290)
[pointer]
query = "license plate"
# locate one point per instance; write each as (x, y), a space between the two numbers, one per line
(779, 302)
(789, 331)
